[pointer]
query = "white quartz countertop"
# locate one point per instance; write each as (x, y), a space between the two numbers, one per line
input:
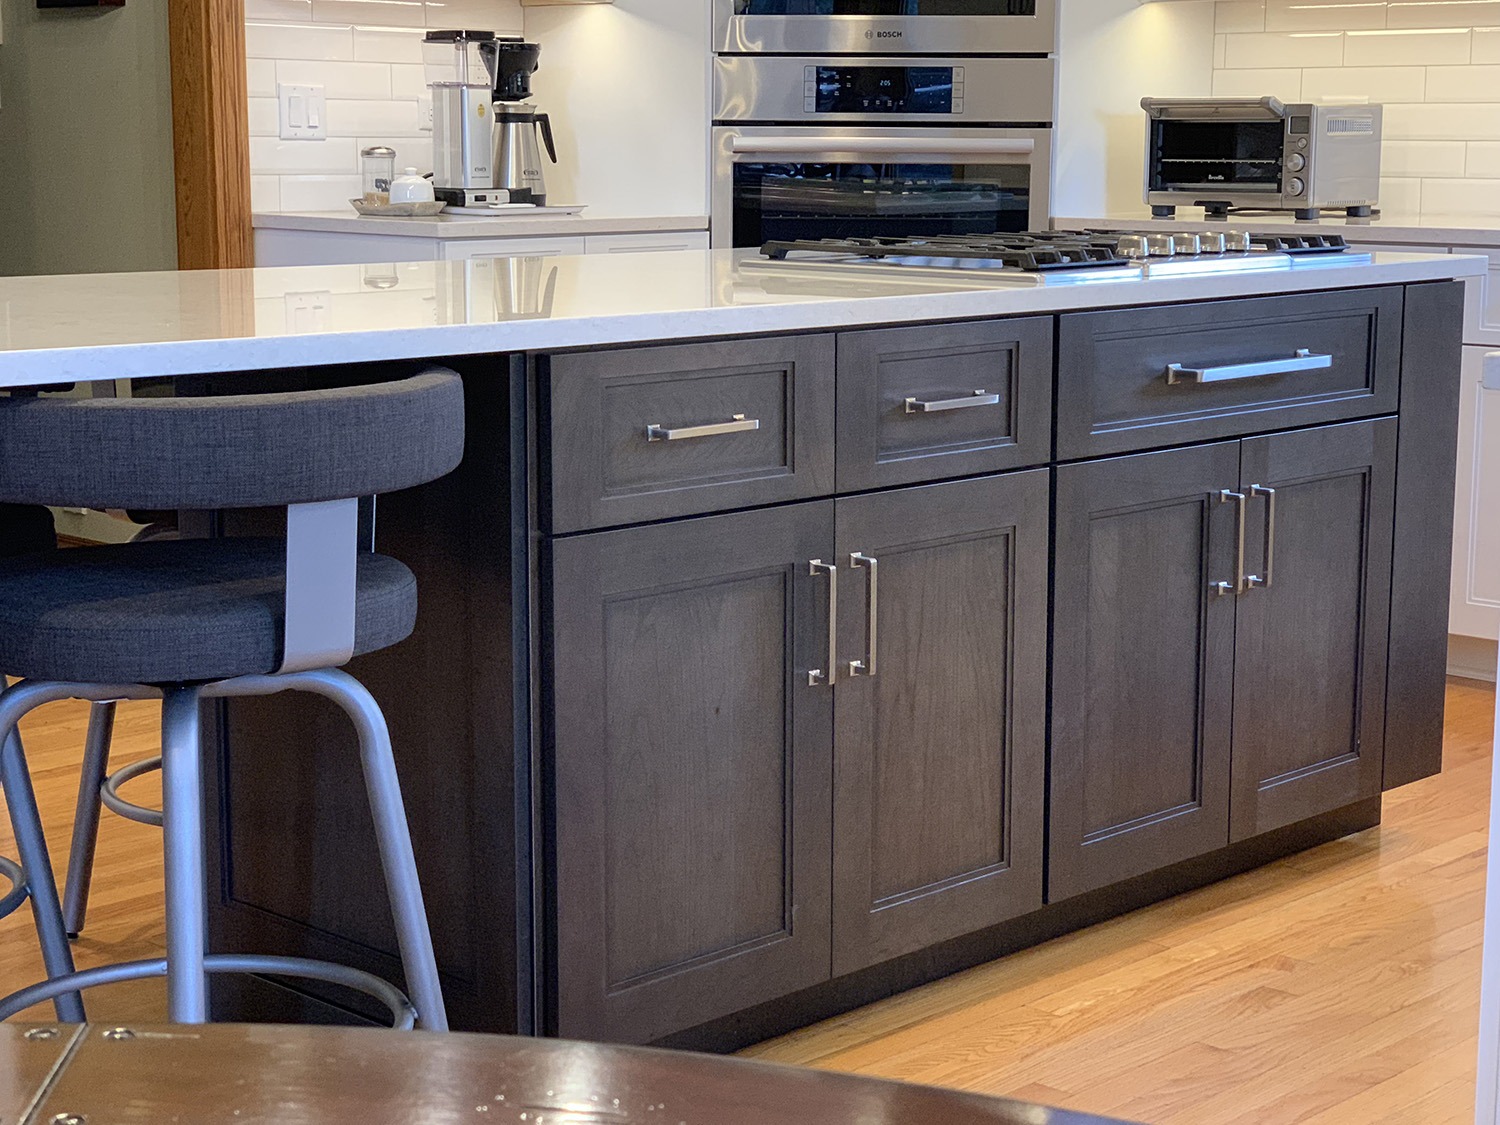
(504, 224)
(113, 326)
(1420, 229)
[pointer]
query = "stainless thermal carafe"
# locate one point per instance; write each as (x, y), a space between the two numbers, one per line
(518, 156)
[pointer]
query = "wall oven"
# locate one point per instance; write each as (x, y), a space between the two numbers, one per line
(834, 147)
(908, 27)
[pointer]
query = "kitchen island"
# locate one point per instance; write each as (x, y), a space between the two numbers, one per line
(792, 634)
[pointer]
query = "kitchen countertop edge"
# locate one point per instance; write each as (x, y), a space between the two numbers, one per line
(505, 225)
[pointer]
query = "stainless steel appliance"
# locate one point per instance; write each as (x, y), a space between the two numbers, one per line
(1048, 257)
(831, 146)
(864, 27)
(518, 156)
(1258, 153)
(460, 68)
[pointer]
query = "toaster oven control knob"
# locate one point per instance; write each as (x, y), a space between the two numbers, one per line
(1159, 245)
(1296, 186)
(1296, 162)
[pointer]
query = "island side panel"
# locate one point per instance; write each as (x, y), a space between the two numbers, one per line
(1427, 461)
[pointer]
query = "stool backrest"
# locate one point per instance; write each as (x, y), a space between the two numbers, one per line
(237, 451)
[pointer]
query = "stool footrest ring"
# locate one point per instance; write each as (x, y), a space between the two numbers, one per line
(403, 1015)
(109, 792)
(10, 869)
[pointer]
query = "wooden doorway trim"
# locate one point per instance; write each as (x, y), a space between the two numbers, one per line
(210, 133)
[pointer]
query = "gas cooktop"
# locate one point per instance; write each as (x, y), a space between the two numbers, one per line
(1046, 257)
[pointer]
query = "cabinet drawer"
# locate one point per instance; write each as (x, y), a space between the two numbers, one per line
(651, 433)
(1242, 369)
(918, 404)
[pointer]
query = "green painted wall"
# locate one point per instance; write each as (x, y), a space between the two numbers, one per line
(85, 140)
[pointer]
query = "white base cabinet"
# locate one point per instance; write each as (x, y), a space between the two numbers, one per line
(281, 247)
(1474, 600)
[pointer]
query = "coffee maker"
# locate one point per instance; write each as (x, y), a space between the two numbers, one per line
(460, 69)
(518, 157)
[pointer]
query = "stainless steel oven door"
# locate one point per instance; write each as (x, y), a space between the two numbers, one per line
(788, 182)
(904, 27)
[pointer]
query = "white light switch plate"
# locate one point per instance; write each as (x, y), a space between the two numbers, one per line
(308, 312)
(302, 112)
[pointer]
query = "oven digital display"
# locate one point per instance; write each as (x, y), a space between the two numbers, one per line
(885, 89)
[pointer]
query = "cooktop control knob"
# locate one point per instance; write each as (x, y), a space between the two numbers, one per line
(1159, 245)
(1237, 241)
(1296, 162)
(1211, 242)
(1133, 247)
(1296, 186)
(1185, 244)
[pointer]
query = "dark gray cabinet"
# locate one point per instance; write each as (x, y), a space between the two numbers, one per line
(1143, 664)
(690, 765)
(940, 714)
(1311, 632)
(1220, 631)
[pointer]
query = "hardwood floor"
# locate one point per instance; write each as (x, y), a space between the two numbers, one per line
(1337, 986)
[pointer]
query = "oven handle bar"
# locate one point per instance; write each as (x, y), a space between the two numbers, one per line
(826, 146)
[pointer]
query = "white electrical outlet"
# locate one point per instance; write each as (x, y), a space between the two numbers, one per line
(424, 113)
(303, 112)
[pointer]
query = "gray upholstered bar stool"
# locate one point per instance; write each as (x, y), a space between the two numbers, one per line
(194, 620)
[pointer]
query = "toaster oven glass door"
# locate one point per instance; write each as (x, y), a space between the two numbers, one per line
(1245, 156)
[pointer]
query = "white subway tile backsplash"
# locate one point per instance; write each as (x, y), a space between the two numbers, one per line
(1486, 45)
(1240, 15)
(265, 193)
(1298, 15)
(339, 79)
(288, 41)
(1461, 197)
(260, 75)
(1423, 158)
(388, 13)
(265, 118)
(320, 193)
(362, 118)
(408, 82)
(387, 45)
(1402, 197)
(1221, 43)
(504, 16)
(278, 9)
(1439, 121)
(1430, 47)
(411, 152)
(1284, 84)
(1364, 83)
(1283, 49)
(1429, 13)
(270, 154)
(1463, 83)
(1484, 160)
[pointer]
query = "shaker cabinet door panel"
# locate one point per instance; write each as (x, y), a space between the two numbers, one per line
(1311, 635)
(939, 748)
(690, 770)
(1143, 664)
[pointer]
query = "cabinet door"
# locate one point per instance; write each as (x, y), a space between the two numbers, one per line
(1474, 602)
(1311, 632)
(939, 747)
(1143, 664)
(691, 767)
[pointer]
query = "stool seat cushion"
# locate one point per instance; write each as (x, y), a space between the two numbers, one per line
(173, 612)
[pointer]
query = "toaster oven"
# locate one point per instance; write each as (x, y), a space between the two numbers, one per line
(1261, 154)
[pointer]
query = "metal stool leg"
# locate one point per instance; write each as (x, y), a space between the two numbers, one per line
(182, 821)
(86, 816)
(26, 823)
(394, 835)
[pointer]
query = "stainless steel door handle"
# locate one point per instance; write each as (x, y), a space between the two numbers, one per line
(820, 677)
(1264, 581)
(1304, 360)
(937, 406)
(1238, 586)
(739, 424)
(866, 667)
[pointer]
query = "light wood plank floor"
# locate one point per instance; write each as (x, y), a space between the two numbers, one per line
(1340, 985)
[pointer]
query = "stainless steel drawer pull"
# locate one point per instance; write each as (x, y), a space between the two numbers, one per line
(1264, 581)
(978, 398)
(820, 677)
(739, 424)
(1304, 360)
(1238, 586)
(866, 667)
